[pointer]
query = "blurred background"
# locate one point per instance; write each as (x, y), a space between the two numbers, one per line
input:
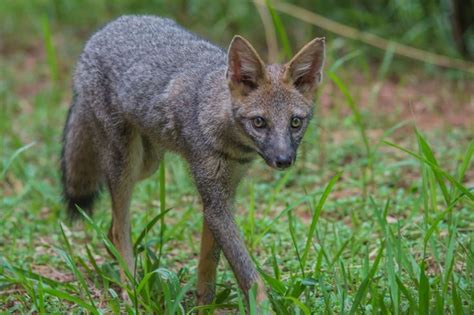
(440, 26)
(399, 71)
(420, 42)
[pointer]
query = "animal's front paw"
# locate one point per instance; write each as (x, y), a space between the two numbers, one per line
(261, 293)
(258, 299)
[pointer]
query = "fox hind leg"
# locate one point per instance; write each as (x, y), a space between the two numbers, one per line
(123, 168)
(208, 261)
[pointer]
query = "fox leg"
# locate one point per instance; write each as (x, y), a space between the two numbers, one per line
(217, 180)
(120, 229)
(124, 164)
(208, 261)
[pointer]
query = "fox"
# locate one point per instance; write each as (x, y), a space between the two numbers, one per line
(143, 86)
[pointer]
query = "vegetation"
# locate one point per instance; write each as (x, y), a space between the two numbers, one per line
(376, 216)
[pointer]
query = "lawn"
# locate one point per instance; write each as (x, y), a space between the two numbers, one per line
(376, 217)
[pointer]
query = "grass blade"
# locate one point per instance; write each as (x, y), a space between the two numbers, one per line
(423, 292)
(14, 156)
(68, 255)
(429, 155)
(407, 294)
(293, 239)
(162, 207)
(361, 292)
(280, 29)
(50, 50)
(457, 303)
(110, 246)
(458, 185)
(355, 110)
(63, 295)
(282, 213)
(148, 227)
(316, 214)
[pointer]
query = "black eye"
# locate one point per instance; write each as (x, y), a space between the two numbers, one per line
(258, 122)
(296, 122)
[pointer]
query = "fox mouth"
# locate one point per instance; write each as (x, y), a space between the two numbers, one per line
(273, 164)
(279, 168)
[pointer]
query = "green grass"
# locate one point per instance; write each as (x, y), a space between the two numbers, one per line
(376, 216)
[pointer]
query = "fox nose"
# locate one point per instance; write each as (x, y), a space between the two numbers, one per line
(283, 161)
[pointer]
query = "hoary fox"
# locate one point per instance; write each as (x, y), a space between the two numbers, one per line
(143, 85)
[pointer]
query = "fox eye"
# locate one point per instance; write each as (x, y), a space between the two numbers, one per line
(295, 122)
(258, 122)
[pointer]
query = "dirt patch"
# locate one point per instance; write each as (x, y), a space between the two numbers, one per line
(429, 102)
(53, 273)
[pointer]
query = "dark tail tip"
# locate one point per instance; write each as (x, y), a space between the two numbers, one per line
(84, 202)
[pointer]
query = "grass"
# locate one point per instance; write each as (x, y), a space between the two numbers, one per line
(376, 217)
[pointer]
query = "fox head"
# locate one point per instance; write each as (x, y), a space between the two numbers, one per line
(273, 104)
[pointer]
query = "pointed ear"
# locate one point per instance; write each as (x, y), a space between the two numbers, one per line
(245, 69)
(304, 71)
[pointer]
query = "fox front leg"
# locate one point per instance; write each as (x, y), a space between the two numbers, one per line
(217, 184)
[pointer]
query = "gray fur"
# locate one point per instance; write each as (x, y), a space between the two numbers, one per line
(145, 86)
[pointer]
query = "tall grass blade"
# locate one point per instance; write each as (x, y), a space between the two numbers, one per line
(457, 302)
(14, 156)
(316, 215)
(407, 294)
(63, 295)
(423, 291)
(298, 303)
(360, 125)
(68, 255)
(465, 164)
(355, 110)
(41, 308)
(362, 290)
(282, 213)
(449, 260)
(280, 29)
(341, 61)
(458, 185)
(162, 207)
(50, 50)
(389, 260)
(148, 228)
(429, 155)
(295, 244)
(110, 246)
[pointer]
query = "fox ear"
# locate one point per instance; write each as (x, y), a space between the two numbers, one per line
(304, 71)
(245, 69)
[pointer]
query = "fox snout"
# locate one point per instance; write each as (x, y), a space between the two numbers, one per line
(279, 156)
(283, 161)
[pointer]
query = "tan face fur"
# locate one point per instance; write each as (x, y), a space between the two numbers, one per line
(273, 104)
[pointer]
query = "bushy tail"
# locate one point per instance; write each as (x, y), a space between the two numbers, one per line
(80, 164)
